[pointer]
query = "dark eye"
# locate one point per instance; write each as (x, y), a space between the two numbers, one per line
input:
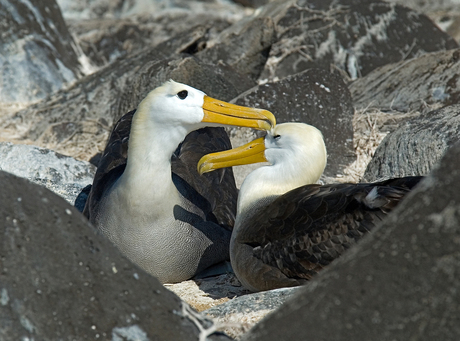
(276, 137)
(182, 94)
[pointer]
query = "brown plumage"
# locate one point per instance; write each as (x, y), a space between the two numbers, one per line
(305, 229)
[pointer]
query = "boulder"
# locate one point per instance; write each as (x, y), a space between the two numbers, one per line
(106, 40)
(355, 36)
(317, 97)
(37, 53)
(244, 46)
(61, 174)
(253, 3)
(61, 280)
(411, 85)
(103, 9)
(399, 283)
(241, 313)
(416, 146)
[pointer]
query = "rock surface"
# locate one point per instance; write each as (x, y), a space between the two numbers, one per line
(316, 97)
(61, 174)
(355, 36)
(61, 280)
(241, 313)
(37, 54)
(424, 139)
(416, 84)
(399, 283)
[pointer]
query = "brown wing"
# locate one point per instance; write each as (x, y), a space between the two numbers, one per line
(307, 228)
(215, 192)
(217, 188)
(111, 164)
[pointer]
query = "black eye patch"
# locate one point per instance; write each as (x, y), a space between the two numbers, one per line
(182, 94)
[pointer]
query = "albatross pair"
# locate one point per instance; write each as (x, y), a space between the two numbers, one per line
(149, 200)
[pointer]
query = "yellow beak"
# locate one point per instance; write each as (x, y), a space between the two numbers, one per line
(251, 152)
(230, 114)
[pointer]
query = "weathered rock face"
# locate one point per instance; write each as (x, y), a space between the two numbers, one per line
(243, 312)
(105, 40)
(399, 283)
(431, 79)
(253, 3)
(356, 36)
(247, 55)
(97, 9)
(316, 97)
(61, 174)
(60, 280)
(416, 146)
(37, 54)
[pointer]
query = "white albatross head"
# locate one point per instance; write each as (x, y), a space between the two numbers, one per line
(176, 104)
(295, 151)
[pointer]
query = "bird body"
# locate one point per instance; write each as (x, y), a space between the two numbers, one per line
(288, 227)
(155, 217)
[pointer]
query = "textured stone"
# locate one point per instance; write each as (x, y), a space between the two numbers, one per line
(61, 174)
(241, 313)
(399, 283)
(416, 146)
(97, 9)
(316, 97)
(61, 280)
(355, 36)
(37, 54)
(106, 40)
(416, 84)
(243, 46)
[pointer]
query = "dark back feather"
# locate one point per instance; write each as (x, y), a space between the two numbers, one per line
(305, 229)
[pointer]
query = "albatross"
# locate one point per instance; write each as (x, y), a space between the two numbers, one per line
(147, 196)
(288, 227)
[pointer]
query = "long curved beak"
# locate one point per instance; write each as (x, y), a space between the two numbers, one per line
(251, 152)
(216, 111)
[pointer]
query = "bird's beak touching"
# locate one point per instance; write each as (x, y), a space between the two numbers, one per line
(251, 152)
(216, 111)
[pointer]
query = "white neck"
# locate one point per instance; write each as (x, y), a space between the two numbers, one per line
(266, 183)
(147, 179)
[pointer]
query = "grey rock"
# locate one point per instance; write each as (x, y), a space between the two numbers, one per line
(253, 3)
(416, 146)
(399, 283)
(239, 314)
(105, 40)
(61, 280)
(355, 36)
(416, 84)
(61, 174)
(37, 53)
(260, 302)
(428, 6)
(317, 97)
(97, 9)
(244, 46)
